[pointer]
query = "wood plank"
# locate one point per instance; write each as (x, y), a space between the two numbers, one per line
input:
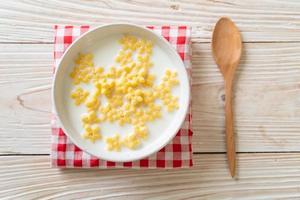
(267, 99)
(32, 21)
(260, 176)
(25, 82)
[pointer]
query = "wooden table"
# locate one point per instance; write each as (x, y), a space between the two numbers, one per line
(267, 102)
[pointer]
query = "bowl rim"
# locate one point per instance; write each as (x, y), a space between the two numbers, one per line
(180, 119)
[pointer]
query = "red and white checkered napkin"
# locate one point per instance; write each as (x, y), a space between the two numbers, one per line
(177, 154)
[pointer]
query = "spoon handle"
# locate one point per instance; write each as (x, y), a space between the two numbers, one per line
(230, 144)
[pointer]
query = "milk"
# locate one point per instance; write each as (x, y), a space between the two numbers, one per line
(104, 52)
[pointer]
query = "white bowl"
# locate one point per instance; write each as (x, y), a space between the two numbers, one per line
(100, 42)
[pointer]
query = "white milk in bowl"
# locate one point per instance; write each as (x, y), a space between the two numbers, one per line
(104, 52)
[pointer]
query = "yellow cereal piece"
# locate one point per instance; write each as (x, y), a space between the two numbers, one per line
(124, 57)
(170, 78)
(131, 141)
(93, 103)
(141, 131)
(97, 74)
(90, 118)
(149, 80)
(170, 101)
(105, 109)
(84, 69)
(143, 59)
(129, 42)
(97, 93)
(114, 143)
(79, 95)
(145, 46)
(112, 73)
(106, 86)
(92, 133)
(171, 106)
(85, 59)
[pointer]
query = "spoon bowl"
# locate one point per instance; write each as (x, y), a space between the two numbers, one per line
(226, 45)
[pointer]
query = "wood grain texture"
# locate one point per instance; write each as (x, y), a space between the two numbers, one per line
(267, 100)
(25, 82)
(269, 20)
(260, 176)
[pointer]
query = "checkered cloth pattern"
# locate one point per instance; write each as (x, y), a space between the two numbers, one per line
(176, 154)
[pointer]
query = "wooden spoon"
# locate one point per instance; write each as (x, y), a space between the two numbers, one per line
(227, 49)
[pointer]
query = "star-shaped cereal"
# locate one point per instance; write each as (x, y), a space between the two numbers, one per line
(170, 78)
(113, 143)
(128, 42)
(79, 95)
(93, 103)
(141, 131)
(145, 46)
(92, 133)
(132, 141)
(90, 118)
